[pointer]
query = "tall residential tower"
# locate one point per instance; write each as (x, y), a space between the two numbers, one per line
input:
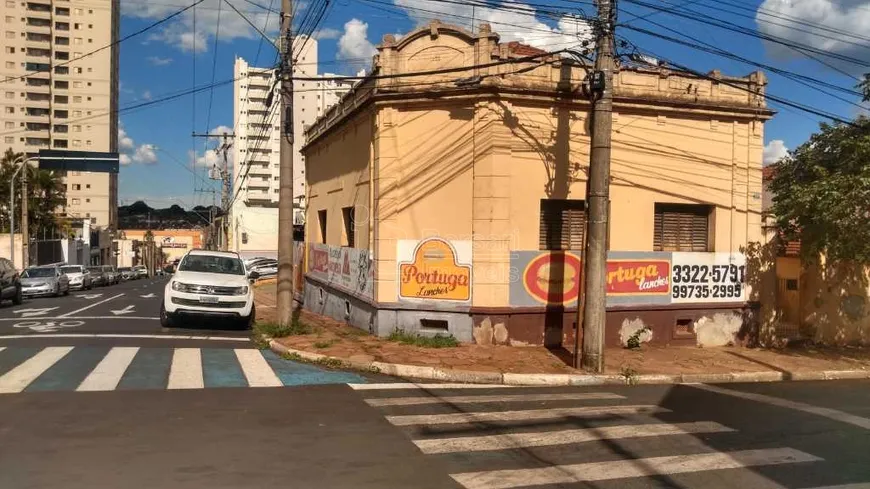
(256, 149)
(56, 92)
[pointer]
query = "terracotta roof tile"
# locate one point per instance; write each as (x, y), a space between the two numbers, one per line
(521, 49)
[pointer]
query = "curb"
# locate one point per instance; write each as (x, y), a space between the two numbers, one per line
(478, 377)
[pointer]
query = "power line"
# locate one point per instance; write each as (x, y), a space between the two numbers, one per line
(801, 79)
(730, 26)
(246, 19)
(114, 43)
(217, 35)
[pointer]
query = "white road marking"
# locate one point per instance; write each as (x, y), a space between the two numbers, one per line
(859, 485)
(87, 317)
(623, 469)
(2, 348)
(126, 310)
(412, 401)
(95, 304)
(525, 415)
(140, 336)
(27, 313)
(17, 379)
(797, 406)
(90, 296)
(550, 438)
(186, 369)
(148, 296)
(409, 385)
(257, 369)
(107, 374)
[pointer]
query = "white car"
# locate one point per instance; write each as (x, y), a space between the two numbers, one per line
(209, 284)
(79, 277)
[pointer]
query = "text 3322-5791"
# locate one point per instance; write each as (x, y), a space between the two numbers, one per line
(708, 281)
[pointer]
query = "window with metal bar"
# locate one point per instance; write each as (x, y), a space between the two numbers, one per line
(682, 227)
(563, 223)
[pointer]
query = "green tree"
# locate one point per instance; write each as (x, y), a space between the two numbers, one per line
(46, 195)
(865, 87)
(821, 192)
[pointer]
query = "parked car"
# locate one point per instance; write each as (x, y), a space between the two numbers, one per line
(98, 276)
(141, 271)
(209, 284)
(112, 275)
(265, 268)
(36, 281)
(127, 273)
(79, 277)
(10, 282)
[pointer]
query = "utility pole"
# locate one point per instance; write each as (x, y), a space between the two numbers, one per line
(25, 228)
(598, 192)
(285, 201)
(222, 174)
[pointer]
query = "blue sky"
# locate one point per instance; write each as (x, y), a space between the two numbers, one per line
(157, 141)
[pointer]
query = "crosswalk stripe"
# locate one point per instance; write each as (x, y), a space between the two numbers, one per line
(107, 374)
(412, 401)
(17, 379)
(410, 385)
(524, 415)
(186, 369)
(565, 437)
(622, 469)
(257, 369)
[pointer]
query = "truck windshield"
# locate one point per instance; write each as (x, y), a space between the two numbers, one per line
(212, 264)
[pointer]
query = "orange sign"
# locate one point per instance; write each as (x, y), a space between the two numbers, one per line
(638, 277)
(553, 278)
(435, 273)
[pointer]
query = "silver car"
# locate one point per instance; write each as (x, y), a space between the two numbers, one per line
(79, 277)
(36, 281)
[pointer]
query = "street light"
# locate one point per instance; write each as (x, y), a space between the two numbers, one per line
(20, 162)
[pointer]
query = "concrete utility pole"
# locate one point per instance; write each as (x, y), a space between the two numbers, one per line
(20, 163)
(598, 192)
(285, 201)
(223, 174)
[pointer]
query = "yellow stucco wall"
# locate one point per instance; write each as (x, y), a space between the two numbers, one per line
(338, 175)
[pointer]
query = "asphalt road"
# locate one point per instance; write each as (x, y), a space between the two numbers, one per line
(95, 394)
(127, 308)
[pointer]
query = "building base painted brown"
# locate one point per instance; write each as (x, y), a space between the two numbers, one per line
(702, 324)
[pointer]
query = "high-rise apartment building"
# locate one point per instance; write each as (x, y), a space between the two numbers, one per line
(56, 92)
(257, 146)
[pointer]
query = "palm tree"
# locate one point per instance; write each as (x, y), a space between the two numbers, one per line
(46, 195)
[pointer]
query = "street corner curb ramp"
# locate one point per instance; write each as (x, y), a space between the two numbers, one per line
(531, 379)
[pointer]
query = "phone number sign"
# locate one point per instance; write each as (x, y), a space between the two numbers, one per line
(708, 277)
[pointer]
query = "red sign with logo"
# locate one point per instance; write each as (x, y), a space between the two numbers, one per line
(638, 277)
(553, 278)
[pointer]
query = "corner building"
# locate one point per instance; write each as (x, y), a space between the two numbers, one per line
(455, 202)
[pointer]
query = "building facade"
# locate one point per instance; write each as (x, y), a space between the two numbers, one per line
(56, 94)
(257, 146)
(456, 203)
(173, 243)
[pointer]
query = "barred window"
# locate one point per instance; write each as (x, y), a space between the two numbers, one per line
(563, 223)
(682, 227)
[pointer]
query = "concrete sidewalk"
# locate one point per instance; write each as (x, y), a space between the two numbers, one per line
(334, 343)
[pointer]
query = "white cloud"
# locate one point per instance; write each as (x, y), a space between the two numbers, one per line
(354, 43)
(327, 33)
(146, 95)
(130, 153)
(145, 154)
(125, 142)
(158, 61)
(519, 22)
(823, 24)
(221, 130)
(774, 151)
(179, 32)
